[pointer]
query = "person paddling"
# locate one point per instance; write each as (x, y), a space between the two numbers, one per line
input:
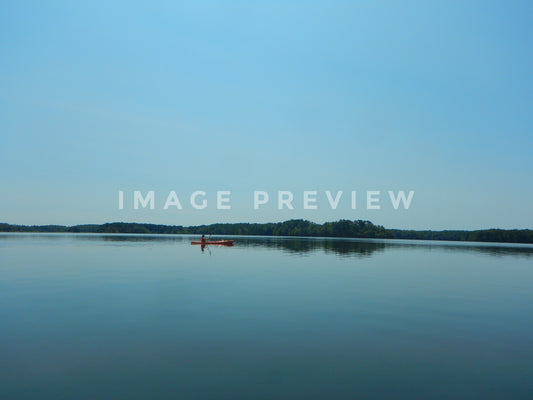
(203, 239)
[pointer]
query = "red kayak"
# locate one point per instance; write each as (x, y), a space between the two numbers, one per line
(215, 242)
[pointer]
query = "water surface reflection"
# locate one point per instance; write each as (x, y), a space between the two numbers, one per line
(341, 247)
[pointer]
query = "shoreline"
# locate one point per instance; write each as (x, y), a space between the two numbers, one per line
(342, 229)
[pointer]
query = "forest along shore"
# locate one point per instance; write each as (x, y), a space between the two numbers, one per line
(342, 228)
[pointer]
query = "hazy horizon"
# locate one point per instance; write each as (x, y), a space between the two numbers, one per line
(252, 222)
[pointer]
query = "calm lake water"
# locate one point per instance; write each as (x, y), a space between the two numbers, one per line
(152, 317)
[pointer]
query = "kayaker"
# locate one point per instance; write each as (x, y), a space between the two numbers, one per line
(203, 239)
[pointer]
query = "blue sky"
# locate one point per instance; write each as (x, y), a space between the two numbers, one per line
(434, 97)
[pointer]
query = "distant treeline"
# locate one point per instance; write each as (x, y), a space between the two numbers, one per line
(298, 227)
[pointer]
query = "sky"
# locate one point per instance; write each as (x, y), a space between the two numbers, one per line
(431, 97)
